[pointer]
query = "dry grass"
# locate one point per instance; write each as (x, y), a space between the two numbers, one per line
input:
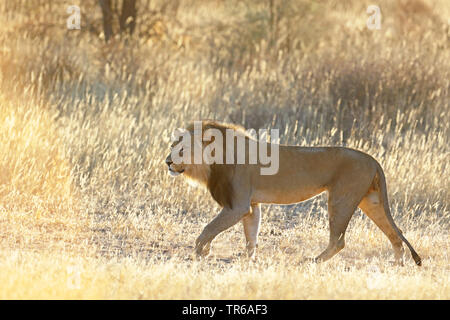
(87, 209)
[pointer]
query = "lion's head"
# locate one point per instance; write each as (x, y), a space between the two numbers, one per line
(217, 177)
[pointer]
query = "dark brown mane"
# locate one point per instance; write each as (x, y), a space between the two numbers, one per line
(208, 124)
(220, 184)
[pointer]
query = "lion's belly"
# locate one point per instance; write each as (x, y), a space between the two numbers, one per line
(280, 197)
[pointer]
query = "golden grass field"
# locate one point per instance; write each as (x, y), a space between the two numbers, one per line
(88, 211)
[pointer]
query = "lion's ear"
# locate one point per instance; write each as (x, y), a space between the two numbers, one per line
(220, 184)
(179, 132)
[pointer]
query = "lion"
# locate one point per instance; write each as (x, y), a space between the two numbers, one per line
(351, 178)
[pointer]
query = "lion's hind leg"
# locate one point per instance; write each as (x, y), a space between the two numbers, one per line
(343, 199)
(340, 212)
(373, 208)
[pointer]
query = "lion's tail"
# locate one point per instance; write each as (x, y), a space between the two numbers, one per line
(384, 199)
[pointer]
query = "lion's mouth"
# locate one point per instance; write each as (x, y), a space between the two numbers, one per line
(174, 173)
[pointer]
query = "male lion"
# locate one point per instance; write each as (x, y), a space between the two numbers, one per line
(352, 178)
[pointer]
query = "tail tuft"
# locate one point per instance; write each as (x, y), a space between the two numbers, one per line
(416, 258)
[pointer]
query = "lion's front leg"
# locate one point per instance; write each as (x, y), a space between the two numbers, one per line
(224, 220)
(202, 245)
(251, 223)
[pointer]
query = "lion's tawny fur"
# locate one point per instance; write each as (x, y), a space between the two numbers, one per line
(352, 179)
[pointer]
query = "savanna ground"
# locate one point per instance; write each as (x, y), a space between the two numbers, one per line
(87, 209)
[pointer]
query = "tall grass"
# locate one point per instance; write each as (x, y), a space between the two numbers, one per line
(84, 128)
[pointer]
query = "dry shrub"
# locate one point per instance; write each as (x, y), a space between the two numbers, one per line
(35, 177)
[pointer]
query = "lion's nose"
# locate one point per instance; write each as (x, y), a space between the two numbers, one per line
(169, 162)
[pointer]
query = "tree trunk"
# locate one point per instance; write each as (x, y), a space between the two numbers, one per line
(128, 16)
(107, 18)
